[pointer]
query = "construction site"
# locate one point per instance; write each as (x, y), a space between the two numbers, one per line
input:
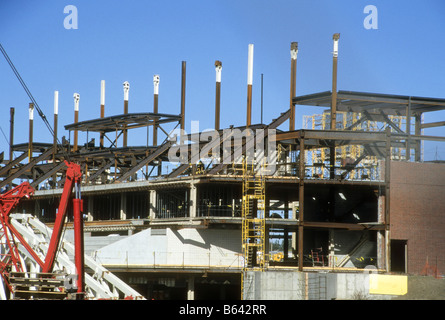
(345, 207)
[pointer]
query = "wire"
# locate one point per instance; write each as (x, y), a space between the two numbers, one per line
(28, 92)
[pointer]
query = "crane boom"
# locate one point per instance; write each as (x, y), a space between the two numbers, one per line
(10, 199)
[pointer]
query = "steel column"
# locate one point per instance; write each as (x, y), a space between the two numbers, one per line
(31, 129)
(332, 156)
(301, 205)
(56, 113)
(183, 76)
(76, 118)
(126, 91)
(102, 110)
(249, 85)
(218, 67)
(156, 80)
(11, 134)
(293, 74)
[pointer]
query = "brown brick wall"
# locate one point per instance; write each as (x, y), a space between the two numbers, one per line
(417, 212)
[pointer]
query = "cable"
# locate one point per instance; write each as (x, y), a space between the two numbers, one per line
(28, 92)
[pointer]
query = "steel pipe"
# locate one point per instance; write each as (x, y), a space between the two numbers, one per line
(218, 68)
(249, 84)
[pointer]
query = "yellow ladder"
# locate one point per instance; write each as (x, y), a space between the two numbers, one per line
(253, 222)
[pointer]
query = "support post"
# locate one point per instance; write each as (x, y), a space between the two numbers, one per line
(102, 110)
(126, 92)
(76, 118)
(293, 75)
(193, 200)
(183, 95)
(387, 198)
(336, 37)
(191, 288)
(301, 205)
(31, 129)
(123, 208)
(156, 80)
(249, 85)
(153, 204)
(56, 114)
(11, 134)
(218, 68)
(418, 131)
(408, 131)
(332, 155)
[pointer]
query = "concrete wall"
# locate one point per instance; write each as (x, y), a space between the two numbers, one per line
(292, 285)
(187, 247)
(417, 207)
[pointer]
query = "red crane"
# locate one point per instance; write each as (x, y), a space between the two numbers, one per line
(9, 200)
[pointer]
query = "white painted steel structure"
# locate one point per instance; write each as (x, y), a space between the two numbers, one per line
(101, 285)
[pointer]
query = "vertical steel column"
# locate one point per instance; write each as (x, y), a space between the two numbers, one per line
(261, 98)
(183, 95)
(332, 156)
(56, 114)
(76, 118)
(336, 37)
(249, 85)
(387, 198)
(102, 110)
(31, 129)
(301, 205)
(293, 75)
(11, 133)
(218, 68)
(156, 80)
(126, 91)
(417, 132)
(408, 131)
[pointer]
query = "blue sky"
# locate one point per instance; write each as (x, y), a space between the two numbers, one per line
(119, 41)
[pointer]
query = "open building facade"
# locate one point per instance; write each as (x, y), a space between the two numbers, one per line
(347, 193)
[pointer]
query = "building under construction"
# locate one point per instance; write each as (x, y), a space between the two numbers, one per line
(264, 211)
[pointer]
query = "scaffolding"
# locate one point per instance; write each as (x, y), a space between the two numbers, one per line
(318, 158)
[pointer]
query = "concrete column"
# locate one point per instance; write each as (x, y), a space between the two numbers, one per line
(90, 208)
(191, 288)
(193, 200)
(123, 212)
(331, 262)
(152, 210)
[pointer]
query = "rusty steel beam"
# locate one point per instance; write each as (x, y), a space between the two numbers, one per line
(76, 118)
(249, 84)
(44, 156)
(152, 156)
(11, 134)
(102, 110)
(56, 114)
(293, 75)
(218, 68)
(53, 171)
(156, 80)
(183, 79)
(126, 93)
(31, 130)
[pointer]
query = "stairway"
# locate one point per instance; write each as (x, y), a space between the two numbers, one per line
(99, 284)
